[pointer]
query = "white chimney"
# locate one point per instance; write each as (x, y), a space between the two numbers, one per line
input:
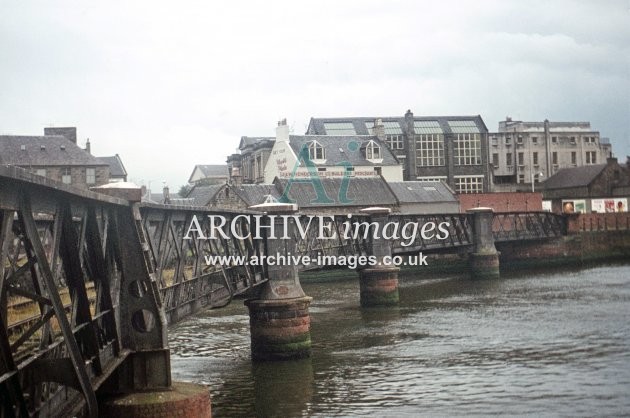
(282, 131)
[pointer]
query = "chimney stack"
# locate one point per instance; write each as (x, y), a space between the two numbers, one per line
(282, 131)
(237, 179)
(379, 129)
(88, 148)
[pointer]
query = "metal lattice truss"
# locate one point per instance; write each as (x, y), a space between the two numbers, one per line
(435, 232)
(329, 236)
(188, 276)
(516, 226)
(69, 315)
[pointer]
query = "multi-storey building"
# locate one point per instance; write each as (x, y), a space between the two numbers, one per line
(453, 149)
(249, 164)
(522, 153)
(55, 155)
(330, 156)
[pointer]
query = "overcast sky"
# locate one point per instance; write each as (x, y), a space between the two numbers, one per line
(171, 85)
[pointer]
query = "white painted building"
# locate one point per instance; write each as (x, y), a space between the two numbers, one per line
(330, 156)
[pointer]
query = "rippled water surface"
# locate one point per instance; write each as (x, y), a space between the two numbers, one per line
(552, 343)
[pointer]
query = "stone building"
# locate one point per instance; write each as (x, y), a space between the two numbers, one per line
(525, 152)
(336, 196)
(248, 165)
(330, 156)
(117, 170)
(589, 188)
(209, 174)
(453, 149)
(55, 155)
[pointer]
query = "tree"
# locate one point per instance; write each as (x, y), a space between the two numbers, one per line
(184, 190)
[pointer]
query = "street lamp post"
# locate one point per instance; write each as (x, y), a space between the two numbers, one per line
(533, 176)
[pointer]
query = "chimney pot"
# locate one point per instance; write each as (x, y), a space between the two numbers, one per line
(282, 131)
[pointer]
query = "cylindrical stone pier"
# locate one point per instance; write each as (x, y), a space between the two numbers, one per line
(379, 284)
(180, 400)
(279, 319)
(484, 260)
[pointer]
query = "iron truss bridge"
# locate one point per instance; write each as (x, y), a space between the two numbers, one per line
(89, 282)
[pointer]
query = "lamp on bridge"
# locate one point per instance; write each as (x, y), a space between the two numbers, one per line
(536, 175)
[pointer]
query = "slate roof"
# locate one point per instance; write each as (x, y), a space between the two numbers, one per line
(422, 192)
(317, 125)
(360, 192)
(56, 151)
(116, 167)
(343, 148)
(256, 141)
(573, 177)
(255, 194)
(213, 170)
(201, 195)
(153, 197)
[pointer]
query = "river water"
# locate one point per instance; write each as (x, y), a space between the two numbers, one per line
(535, 344)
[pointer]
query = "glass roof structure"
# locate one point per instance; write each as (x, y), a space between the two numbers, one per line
(339, 128)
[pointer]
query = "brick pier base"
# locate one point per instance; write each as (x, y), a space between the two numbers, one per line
(182, 400)
(379, 286)
(280, 328)
(484, 265)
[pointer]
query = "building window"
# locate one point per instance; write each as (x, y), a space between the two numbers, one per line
(519, 139)
(467, 149)
(395, 141)
(534, 139)
(535, 158)
(495, 160)
(554, 158)
(431, 179)
(66, 175)
(41, 172)
(589, 139)
(508, 158)
(554, 139)
(508, 140)
(430, 150)
(321, 169)
(521, 158)
(378, 171)
(469, 184)
(90, 176)
(350, 171)
(521, 178)
(591, 157)
(572, 140)
(573, 157)
(372, 151)
(494, 141)
(316, 151)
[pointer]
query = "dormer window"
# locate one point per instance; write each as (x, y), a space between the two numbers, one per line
(316, 151)
(373, 151)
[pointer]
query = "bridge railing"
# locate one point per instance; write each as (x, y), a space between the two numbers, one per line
(512, 226)
(187, 267)
(435, 232)
(329, 236)
(69, 316)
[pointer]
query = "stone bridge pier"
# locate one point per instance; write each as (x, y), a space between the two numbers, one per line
(484, 260)
(378, 284)
(279, 319)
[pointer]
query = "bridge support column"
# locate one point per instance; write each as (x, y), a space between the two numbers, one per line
(484, 260)
(379, 284)
(279, 319)
(141, 385)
